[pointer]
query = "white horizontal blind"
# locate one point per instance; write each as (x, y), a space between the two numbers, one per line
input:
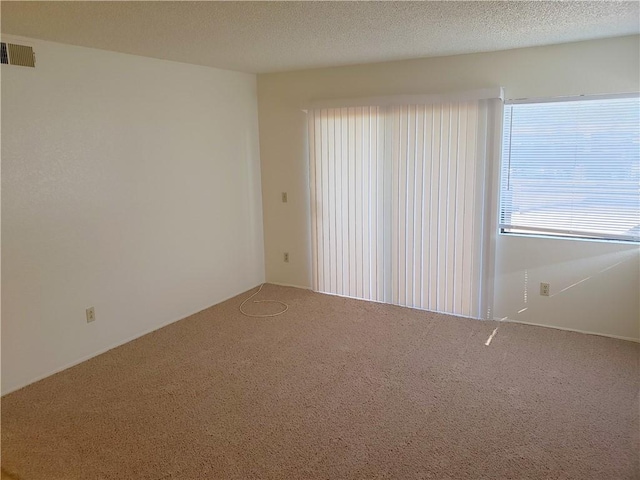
(398, 202)
(572, 168)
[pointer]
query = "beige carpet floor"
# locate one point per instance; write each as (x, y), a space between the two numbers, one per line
(334, 389)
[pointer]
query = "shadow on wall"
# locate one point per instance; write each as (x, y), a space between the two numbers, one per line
(598, 294)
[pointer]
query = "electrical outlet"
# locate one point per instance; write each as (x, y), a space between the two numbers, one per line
(286, 257)
(544, 289)
(91, 314)
(285, 199)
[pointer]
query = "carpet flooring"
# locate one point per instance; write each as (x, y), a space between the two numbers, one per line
(334, 389)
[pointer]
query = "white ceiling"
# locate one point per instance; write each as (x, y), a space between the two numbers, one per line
(272, 36)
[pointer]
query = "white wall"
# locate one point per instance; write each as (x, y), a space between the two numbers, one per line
(593, 67)
(129, 184)
(594, 285)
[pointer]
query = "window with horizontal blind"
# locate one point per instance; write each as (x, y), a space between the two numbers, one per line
(572, 168)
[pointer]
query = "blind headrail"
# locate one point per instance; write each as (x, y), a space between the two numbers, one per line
(398, 100)
(572, 98)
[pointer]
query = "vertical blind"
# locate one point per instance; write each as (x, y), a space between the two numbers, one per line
(347, 182)
(572, 168)
(398, 203)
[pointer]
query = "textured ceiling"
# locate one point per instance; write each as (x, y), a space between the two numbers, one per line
(274, 36)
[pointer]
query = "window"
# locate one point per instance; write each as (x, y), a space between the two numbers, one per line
(571, 168)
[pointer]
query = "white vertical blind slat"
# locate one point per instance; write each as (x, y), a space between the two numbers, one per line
(395, 205)
(460, 231)
(352, 225)
(451, 208)
(344, 127)
(366, 203)
(339, 194)
(314, 193)
(418, 204)
(426, 205)
(468, 217)
(434, 219)
(331, 198)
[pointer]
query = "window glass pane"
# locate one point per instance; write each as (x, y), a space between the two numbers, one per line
(572, 168)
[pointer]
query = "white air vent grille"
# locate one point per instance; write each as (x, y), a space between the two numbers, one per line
(13, 54)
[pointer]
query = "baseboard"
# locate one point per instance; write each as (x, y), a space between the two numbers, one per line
(153, 329)
(118, 344)
(618, 337)
(288, 285)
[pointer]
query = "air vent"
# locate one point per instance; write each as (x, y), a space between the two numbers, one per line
(3, 53)
(17, 55)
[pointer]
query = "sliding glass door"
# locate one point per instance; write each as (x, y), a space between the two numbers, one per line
(400, 205)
